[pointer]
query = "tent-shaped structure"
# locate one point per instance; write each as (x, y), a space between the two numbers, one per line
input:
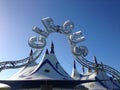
(48, 68)
(104, 81)
(49, 74)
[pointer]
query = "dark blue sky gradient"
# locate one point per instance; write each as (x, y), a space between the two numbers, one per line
(99, 20)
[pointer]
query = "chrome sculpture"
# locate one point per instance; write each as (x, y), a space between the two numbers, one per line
(39, 42)
(65, 29)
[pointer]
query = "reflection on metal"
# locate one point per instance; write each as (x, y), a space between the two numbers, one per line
(65, 29)
(107, 69)
(39, 42)
(20, 63)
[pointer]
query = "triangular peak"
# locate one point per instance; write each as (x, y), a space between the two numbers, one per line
(52, 48)
(103, 81)
(75, 74)
(31, 52)
(26, 70)
(49, 68)
(47, 52)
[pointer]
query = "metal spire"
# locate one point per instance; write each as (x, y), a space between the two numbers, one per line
(47, 52)
(52, 48)
(31, 52)
(74, 64)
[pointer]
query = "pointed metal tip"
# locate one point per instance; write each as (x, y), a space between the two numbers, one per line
(95, 59)
(74, 63)
(47, 52)
(31, 52)
(52, 48)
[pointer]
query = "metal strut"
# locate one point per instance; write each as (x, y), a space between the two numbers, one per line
(91, 65)
(20, 63)
(74, 38)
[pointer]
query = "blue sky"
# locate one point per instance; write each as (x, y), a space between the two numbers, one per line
(99, 20)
